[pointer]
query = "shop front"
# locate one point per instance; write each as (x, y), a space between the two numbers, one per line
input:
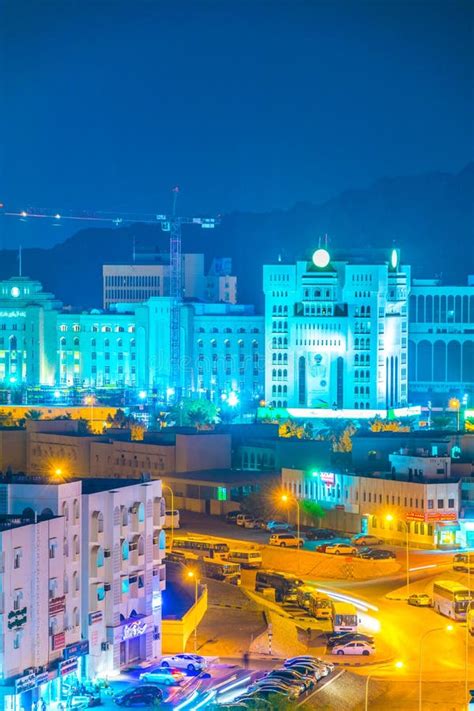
(28, 691)
(132, 640)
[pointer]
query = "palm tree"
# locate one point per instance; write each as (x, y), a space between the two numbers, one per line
(33, 415)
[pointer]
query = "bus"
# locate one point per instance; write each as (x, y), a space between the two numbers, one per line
(246, 558)
(463, 561)
(450, 599)
(214, 568)
(285, 585)
(320, 607)
(171, 519)
(221, 570)
(201, 546)
(304, 595)
(344, 617)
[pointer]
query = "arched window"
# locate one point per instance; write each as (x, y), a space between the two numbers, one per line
(93, 343)
(99, 561)
(62, 342)
(213, 343)
(106, 343)
(65, 510)
(76, 510)
(141, 512)
(141, 545)
(119, 343)
(76, 341)
(124, 516)
(162, 541)
(125, 549)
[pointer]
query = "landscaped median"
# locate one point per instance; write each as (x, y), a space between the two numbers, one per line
(322, 565)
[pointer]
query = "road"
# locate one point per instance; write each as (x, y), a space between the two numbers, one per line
(403, 629)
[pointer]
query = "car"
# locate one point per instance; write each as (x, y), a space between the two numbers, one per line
(322, 548)
(265, 694)
(341, 549)
(357, 647)
(420, 600)
(319, 669)
(253, 701)
(143, 695)
(242, 518)
(255, 523)
(306, 671)
(163, 675)
(344, 637)
(275, 526)
(293, 691)
(292, 674)
(320, 534)
(285, 540)
(378, 554)
(363, 539)
(310, 662)
(231, 516)
(191, 662)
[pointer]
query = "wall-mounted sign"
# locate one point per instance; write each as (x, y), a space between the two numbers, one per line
(327, 478)
(12, 314)
(79, 649)
(57, 605)
(67, 667)
(24, 683)
(17, 618)
(134, 629)
(95, 617)
(42, 678)
(58, 641)
(431, 516)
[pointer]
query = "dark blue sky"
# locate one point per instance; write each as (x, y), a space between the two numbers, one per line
(247, 105)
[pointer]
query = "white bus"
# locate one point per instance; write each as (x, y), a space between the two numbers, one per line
(344, 617)
(463, 561)
(201, 546)
(451, 599)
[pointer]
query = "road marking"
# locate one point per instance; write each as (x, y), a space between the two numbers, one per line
(422, 567)
(320, 688)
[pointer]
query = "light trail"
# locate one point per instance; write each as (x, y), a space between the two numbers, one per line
(362, 605)
(422, 567)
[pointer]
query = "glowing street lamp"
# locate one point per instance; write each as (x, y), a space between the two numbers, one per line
(285, 499)
(455, 404)
(397, 665)
(90, 400)
(389, 518)
(232, 399)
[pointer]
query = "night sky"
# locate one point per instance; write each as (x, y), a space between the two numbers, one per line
(247, 105)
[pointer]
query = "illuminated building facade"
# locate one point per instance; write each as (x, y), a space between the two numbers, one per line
(128, 347)
(336, 334)
(383, 507)
(441, 345)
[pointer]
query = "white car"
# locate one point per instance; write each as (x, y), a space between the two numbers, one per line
(363, 539)
(354, 648)
(285, 540)
(242, 519)
(341, 549)
(191, 662)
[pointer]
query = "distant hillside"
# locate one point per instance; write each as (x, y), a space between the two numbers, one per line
(430, 217)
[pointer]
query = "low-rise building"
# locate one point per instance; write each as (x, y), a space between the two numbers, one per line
(427, 511)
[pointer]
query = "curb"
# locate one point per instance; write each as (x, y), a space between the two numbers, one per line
(361, 664)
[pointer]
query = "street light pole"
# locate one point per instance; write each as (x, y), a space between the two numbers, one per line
(286, 500)
(466, 651)
(448, 628)
(192, 574)
(397, 665)
(407, 531)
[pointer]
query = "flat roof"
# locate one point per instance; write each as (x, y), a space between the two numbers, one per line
(93, 486)
(222, 476)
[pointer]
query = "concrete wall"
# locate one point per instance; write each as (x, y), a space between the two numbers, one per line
(175, 633)
(13, 450)
(196, 452)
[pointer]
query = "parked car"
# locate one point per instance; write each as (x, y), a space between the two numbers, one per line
(358, 647)
(275, 526)
(242, 518)
(310, 672)
(320, 669)
(341, 549)
(344, 637)
(291, 689)
(420, 600)
(285, 540)
(309, 660)
(260, 693)
(363, 539)
(163, 675)
(255, 523)
(322, 548)
(231, 516)
(320, 534)
(291, 674)
(143, 695)
(191, 662)
(376, 554)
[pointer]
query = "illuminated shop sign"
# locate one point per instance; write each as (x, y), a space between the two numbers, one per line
(67, 667)
(79, 649)
(25, 682)
(431, 516)
(57, 605)
(327, 478)
(134, 629)
(12, 314)
(95, 617)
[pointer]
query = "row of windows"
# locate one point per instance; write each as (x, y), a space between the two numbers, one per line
(95, 328)
(132, 281)
(442, 309)
(279, 309)
(226, 330)
(93, 343)
(317, 342)
(317, 293)
(227, 343)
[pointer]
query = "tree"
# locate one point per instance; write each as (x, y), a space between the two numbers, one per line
(379, 425)
(137, 431)
(33, 415)
(263, 503)
(119, 420)
(6, 419)
(312, 510)
(201, 414)
(343, 441)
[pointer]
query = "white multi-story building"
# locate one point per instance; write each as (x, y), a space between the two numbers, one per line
(388, 508)
(441, 345)
(336, 333)
(124, 546)
(40, 620)
(113, 546)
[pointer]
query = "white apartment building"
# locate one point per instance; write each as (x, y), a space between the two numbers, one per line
(40, 620)
(124, 547)
(336, 333)
(441, 345)
(428, 511)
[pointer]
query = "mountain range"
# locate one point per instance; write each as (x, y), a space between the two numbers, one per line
(430, 217)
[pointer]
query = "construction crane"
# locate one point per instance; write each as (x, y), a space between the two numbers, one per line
(169, 223)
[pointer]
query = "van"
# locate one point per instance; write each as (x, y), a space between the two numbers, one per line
(247, 559)
(243, 518)
(285, 540)
(285, 585)
(171, 519)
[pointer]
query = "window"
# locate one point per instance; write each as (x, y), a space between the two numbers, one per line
(17, 556)
(17, 640)
(53, 545)
(450, 503)
(430, 504)
(52, 587)
(18, 599)
(441, 503)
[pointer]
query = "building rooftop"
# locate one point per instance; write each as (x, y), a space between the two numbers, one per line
(223, 476)
(7, 521)
(93, 486)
